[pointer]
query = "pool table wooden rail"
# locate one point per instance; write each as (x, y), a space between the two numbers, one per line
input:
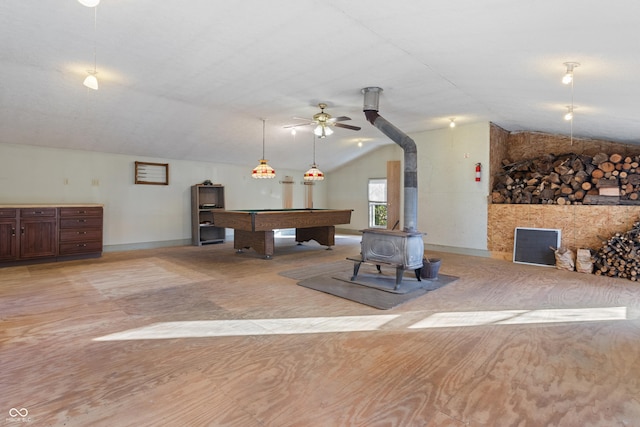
(254, 229)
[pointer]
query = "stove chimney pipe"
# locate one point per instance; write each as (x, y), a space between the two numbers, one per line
(371, 98)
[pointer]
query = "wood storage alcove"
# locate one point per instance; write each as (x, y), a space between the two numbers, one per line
(583, 226)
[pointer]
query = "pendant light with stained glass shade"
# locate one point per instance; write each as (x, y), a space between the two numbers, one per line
(314, 174)
(263, 170)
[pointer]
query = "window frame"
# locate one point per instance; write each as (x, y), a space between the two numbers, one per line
(375, 204)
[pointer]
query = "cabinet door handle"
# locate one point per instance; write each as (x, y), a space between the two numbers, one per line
(82, 232)
(82, 220)
(21, 230)
(13, 232)
(81, 245)
(82, 212)
(38, 212)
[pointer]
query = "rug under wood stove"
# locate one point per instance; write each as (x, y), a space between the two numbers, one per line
(375, 289)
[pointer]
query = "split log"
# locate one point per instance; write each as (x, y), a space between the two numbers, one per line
(565, 190)
(615, 158)
(597, 174)
(607, 183)
(569, 178)
(581, 176)
(600, 158)
(619, 256)
(607, 167)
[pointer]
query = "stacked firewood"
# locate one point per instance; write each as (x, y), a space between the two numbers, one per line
(620, 255)
(569, 179)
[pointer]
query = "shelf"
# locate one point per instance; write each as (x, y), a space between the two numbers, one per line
(206, 199)
(207, 242)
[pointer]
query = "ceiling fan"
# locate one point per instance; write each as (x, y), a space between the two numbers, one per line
(324, 121)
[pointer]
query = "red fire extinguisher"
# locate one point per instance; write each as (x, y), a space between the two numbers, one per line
(478, 172)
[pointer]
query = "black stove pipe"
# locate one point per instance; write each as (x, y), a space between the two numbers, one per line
(371, 97)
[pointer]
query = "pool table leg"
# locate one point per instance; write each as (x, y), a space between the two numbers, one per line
(324, 235)
(261, 241)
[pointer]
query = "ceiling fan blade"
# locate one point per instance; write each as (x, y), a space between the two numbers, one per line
(342, 125)
(340, 119)
(307, 123)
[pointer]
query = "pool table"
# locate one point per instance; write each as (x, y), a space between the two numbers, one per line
(254, 228)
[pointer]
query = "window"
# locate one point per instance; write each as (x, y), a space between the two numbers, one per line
(377, 202)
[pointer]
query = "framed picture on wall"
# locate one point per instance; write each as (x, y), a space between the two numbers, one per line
(152, 173)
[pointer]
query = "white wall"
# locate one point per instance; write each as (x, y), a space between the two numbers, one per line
(135, 215)
(452, 206)
(347, 186)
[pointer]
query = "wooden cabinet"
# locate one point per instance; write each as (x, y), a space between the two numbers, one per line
(8, 234)
(204, 200)
(80, 230)
(31, 233)
(38, 232)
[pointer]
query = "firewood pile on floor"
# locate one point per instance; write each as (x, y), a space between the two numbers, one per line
(620, 255)
(571, 178)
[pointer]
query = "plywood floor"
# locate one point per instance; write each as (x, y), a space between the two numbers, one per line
(201, 336)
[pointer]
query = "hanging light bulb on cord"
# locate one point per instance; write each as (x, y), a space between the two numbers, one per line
(91, 81)
(89, 3)
(568, 76)
(569, 114)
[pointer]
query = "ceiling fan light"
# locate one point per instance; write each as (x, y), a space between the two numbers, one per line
(328, 131)
(567, 78)
(318, 130)
(91, 81)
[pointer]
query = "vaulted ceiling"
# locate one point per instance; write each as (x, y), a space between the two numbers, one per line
(194, 79)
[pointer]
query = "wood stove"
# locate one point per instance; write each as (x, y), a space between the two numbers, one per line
(393, 247)
(402, 249)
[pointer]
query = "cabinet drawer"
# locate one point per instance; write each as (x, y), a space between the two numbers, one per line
(79, 248)
(81, 223)
(8, 213)
(37, 212)
(80, 211)
(80, 235)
